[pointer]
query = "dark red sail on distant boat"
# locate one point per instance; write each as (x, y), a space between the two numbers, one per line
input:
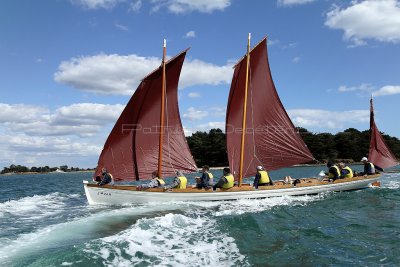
(379, 153)
(271, 140)
(131, 151)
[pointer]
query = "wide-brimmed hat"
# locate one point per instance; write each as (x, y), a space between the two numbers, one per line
(364, 159)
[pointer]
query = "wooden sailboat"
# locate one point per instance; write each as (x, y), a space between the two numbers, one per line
(379, 152)
(270, 139)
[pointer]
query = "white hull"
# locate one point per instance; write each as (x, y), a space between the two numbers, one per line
(114, 196)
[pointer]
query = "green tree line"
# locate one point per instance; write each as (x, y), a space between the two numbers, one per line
(350, 145)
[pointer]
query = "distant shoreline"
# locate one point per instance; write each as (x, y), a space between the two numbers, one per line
(20, 173)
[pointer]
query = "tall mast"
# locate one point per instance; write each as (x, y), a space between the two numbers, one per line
(160, 147)
(244, 112)
(371, 118)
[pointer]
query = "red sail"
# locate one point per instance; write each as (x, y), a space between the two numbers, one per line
(131, 149)
(271, 140)
(379, 153)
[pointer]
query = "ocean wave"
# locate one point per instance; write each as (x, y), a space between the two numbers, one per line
(37, 206)
(169, 240)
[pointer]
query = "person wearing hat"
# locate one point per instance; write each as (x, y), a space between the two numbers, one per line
(226, 181)
(333, 171)
(179, 182)
(345, 171)
(261, 178)
(369, 167)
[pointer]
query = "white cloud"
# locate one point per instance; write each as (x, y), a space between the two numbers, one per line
(327, 119)
(190, 34)
(218, 111)
(387, 90)
(35, 134)
(296, 60)
(370, 19)
(106, 74)
(187, 6)
(272, 42)
(83, 119)
(135, 6)
(293, 2)
(195, 114)
(194, 95)
(20, 113)
(95, 4)
(363, 88)
(121, 27)
(211, 125)
(197, 72)
(115, 74)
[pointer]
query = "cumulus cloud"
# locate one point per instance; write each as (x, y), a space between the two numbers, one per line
(95, 4)
(187, 6)
(190, 34)
(115, 74)
(31, 134)
(20, 113)
(365, 87)
(387, 90)
(370, 19)
(195, 114)
(83, 119)
(327, 119)
(293, 2)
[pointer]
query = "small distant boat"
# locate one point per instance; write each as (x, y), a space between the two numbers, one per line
(133, 149)
(58, 171)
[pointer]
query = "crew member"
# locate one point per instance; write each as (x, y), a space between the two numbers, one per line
(154, 182)
(369, 167)
(333, 171)
(179, 182)
(345, 171)
(206, 180)
(262, 178)
(226, 181)
(106, 178)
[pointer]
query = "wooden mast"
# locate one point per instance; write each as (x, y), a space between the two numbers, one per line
(244, 113)
(160, 147)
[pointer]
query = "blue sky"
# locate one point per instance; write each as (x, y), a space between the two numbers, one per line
(68, 67)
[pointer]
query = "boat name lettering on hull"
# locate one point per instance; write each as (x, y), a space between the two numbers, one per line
(104, 193)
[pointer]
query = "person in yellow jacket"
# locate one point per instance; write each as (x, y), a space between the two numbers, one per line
(226, 181)
(179, 182)
(154, 182)
(333, 171)
(345, 171)
(262, 178)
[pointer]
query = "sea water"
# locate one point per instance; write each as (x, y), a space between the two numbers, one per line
(45, 220)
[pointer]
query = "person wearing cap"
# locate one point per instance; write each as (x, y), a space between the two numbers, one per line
(333, 171)
(106, 178)
(345, 171)
(369, 167)
(261, 178)
(179, 182)
(206, 180)
(226, 181)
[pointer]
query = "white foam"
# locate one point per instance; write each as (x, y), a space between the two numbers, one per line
(37, 206)
(70, 232)
(170, 240)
